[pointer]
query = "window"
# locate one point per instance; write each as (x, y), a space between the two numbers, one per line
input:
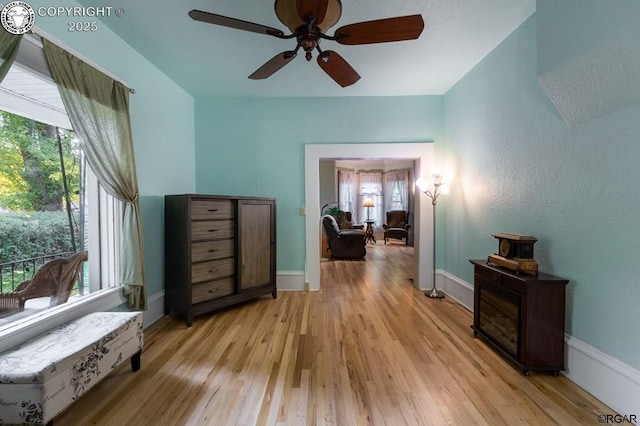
(389, 190)
(372, 190)
(395, 199)
(88, 219)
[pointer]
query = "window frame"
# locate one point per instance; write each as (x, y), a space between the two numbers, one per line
(105, 292)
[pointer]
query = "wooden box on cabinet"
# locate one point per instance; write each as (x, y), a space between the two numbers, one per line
(522, 316)
(219, 251)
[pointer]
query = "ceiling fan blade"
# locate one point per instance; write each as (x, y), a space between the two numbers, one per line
(212, 18)
(381, 30)
(273, 65)
(317, 8)
(337, 68)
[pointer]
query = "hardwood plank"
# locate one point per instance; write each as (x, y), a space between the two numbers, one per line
(368, 348)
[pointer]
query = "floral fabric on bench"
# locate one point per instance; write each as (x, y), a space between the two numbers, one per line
(41, 377)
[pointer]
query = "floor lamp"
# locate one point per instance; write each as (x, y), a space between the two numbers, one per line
(438, 189)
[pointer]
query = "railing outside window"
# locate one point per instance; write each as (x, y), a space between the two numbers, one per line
(13, 273)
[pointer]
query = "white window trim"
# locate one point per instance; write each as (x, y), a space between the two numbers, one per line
(104, 300)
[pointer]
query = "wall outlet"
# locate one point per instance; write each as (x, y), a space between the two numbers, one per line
(303, 211)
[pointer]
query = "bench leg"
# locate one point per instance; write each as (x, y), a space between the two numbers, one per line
(135, 361)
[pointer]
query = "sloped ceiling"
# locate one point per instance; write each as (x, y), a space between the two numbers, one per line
(208, 60)
(588, 60)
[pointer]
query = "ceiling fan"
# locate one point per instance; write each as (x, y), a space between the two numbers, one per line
(308, 21)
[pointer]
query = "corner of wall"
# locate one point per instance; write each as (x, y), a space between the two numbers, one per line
(587, 57)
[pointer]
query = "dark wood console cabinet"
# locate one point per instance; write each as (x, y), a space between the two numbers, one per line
(520, 315)
(219, 251)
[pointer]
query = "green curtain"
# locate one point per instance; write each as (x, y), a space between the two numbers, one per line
(98, 108)
(9, 45)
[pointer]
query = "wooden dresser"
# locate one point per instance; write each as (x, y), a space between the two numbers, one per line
(520, 315)
(219, 251)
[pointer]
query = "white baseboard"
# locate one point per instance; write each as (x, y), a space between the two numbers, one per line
(611, 381)
(155, 309)
(16, 333)
(459, 290)
(290, 281)
(606, 378)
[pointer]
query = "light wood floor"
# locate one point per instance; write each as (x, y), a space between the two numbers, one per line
(367, 349)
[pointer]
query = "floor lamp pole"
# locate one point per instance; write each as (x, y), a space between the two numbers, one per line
(434, 293)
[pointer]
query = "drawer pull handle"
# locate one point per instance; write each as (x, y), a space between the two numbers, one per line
(212, 230)
(214, 270)
(213, 250)
(213, 290)
(212, 210)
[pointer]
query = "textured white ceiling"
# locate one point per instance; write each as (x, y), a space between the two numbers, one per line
(209, 60)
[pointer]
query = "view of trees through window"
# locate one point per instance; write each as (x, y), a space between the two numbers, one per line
(41, 197)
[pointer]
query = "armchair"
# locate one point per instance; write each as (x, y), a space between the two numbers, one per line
(397, 226)
(54, 279)
(346, 243)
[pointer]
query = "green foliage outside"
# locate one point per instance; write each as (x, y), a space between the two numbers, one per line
(33, 213)
(31, 176)
(33, 234)
(27, 235)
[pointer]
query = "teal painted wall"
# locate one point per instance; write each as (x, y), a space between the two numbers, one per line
(521, 169)
(162, 119)
(255, 146)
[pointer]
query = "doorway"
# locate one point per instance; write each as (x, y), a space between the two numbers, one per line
(423, 155)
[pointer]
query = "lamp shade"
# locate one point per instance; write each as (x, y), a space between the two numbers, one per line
(368, 202)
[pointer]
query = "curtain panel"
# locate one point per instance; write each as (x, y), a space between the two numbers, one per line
(396, 190)
(347, 196)
(9, 45)
(98, 108)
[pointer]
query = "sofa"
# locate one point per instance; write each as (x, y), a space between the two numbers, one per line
(345, 243)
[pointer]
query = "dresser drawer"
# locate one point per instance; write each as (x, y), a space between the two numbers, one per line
(212, 209)
(212, 270)
(211, 290)
(211, 250)
(210, 230)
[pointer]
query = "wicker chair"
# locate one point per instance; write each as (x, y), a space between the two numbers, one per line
(54, 279)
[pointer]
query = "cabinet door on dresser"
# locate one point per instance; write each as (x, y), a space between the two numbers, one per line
(257, 244)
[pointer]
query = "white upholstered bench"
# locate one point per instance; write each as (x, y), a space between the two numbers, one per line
(44, 375)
